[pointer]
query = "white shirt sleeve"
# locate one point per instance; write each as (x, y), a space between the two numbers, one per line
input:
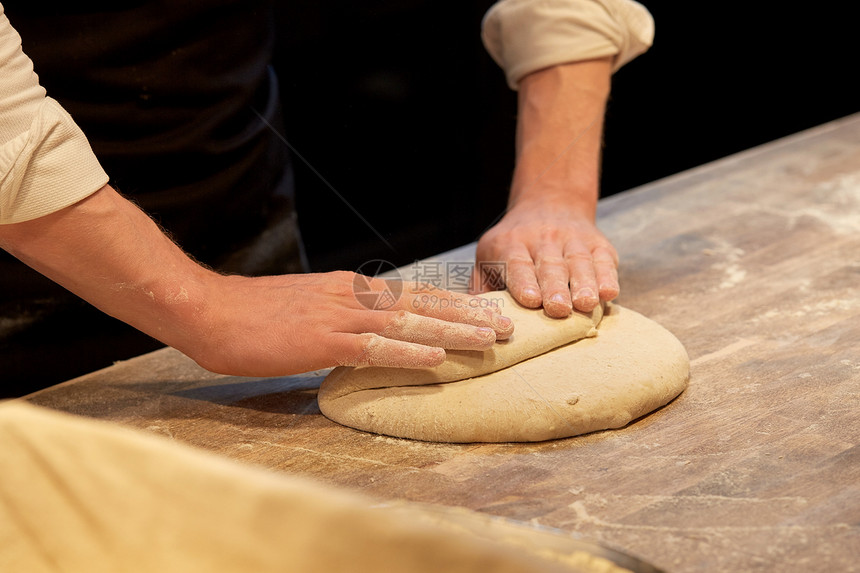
(524, 36)
(46, 162)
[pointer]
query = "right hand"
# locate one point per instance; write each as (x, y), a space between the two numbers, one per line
(280, 325)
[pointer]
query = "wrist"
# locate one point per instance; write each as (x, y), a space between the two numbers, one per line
(174, 306)
(579, 191)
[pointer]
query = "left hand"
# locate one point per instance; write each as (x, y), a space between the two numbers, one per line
(555, 256)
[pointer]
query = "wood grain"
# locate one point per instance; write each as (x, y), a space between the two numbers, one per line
(753, 262)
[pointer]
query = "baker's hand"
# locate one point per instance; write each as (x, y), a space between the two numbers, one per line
(554, 256)
(269, 326)
(554, 253)
(106, 250)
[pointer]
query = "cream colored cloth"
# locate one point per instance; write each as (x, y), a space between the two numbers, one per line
(80, 495)
(524, 36)
(46, 162)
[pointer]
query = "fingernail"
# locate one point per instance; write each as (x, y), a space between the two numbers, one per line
(502, 321)
(608, 289)
(531, 293)
(585, 293)
(486, 332)
(484, 338)
(557, 299)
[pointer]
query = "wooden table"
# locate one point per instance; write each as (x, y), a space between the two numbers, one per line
(752, 261)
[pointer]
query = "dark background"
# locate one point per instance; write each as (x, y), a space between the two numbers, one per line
(399, 108)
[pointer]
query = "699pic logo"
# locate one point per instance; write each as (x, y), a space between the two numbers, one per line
(380, 296)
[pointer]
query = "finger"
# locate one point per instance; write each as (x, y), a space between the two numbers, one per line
(374, 350)
(459, 308)
(552, 274)
(480, 282)
(606, 273)
(402, 295)
(429, 331)
(456, 298)
(428, 300)
(477, 284)
(583, 284)
(521, 278)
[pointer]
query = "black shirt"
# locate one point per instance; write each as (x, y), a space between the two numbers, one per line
(170, 95)
(181, 107)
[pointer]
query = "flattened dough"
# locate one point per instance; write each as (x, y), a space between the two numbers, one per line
(631, 367)
(534, 333)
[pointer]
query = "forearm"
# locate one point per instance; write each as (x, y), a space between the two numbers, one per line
(548, 238)
(554, 253)
(107, 251)
(559, 135)
(110, 253)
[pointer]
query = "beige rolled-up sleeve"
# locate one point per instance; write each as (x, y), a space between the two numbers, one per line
(524, 36)
(46, 162)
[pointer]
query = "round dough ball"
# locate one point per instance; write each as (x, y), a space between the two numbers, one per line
(632, 367)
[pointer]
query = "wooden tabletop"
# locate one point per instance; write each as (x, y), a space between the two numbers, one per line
(753, 262)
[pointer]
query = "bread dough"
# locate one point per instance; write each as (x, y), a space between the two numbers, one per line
(631, 367)
(534, 334)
